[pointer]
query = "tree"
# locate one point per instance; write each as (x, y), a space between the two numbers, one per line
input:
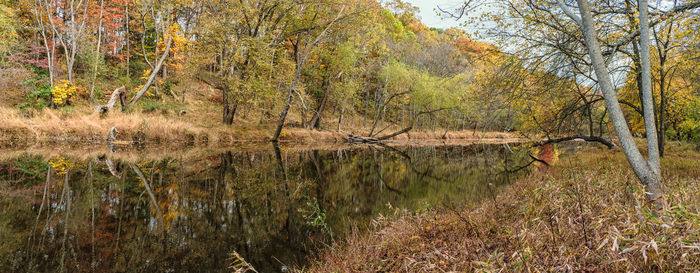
(67, 23)
(648, 171)
(9, 31)
(303, 44)
(557, 39)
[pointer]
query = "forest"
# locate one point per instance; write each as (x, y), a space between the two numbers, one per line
(150, 81)
(334, 65)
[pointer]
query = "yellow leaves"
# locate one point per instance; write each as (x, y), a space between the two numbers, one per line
(179, 45)
(9, 27)
(169, 205)
(60, 165)
(62, 92)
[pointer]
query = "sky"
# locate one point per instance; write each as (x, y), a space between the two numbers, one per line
(429, 16)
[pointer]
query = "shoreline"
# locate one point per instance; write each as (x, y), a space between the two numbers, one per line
(57, 127)
(83, 150)
(584, 213)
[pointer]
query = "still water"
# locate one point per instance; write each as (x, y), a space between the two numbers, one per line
(271, 207)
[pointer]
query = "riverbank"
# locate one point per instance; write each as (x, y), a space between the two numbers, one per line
(585, 213)
(197, 127)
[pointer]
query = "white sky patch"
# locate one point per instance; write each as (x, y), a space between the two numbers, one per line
(429, 13)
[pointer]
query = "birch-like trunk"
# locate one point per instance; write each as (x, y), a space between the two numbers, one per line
(99, 54)
(647, 97)
(648, 172)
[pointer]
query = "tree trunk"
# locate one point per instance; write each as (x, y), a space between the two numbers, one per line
(97, 50)
(283, 115)
(118, 94)
(229, 113)
(644, 170)
(316, 120)
(663, 49)
(126, 38)
(340, 118)
(647, 96)
(154, 73)
(662, 110)
(600, 140)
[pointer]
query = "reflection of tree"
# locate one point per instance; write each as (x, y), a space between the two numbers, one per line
(188, 214)
(154, 202)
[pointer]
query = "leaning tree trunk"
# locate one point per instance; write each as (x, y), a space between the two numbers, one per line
(119, 94)
(283, 115)
(154, 73)
(316, 120)
(300, 65)
(648, 172)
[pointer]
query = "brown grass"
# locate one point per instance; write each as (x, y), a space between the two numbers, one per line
(585, 214)
(78, 124)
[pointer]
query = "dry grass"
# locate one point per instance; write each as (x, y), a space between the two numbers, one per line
(78, 124)
(59, 125)
(585, 214)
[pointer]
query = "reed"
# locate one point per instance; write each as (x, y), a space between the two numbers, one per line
(586, 213)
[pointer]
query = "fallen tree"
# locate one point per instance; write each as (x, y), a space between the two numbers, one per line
(372, 139)
(600, 140)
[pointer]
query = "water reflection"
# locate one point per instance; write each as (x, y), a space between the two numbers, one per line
(270, 206)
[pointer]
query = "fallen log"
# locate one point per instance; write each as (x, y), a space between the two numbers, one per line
(360, 139)
(600, 140)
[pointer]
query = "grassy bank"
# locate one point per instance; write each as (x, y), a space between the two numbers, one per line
(200, 125)
(586, 213)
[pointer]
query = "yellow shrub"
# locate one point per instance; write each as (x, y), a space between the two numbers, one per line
(62, 92)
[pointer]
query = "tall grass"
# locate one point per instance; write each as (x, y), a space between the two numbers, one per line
(160, 122)
(587, 213)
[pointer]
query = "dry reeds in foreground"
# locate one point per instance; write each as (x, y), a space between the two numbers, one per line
(586, 214)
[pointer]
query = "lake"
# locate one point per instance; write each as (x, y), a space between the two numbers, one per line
(202, 211)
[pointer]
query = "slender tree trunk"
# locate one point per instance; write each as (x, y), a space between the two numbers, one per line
(662, 48)
(662, 111)
(99, 54)
(128, 42)
(646, 171)
(316, 120)
(340, 119)
(648, 102)
(283, 115)
(39, 18)
(154, 73)
(229, 111)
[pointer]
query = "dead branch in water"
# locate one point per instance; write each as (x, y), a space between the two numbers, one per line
(600, 140)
